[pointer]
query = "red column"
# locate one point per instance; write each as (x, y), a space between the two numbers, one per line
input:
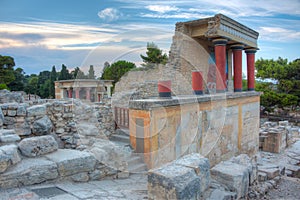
(77, 93)
(220, 55)
(99, 97)
(164, 88)
(237, 67)
(88, 93)
(70, 92)
(197, 82)
(251, 68)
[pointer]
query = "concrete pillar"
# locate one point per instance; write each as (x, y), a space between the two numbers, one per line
(197, 82)
(88, 93)
(251, 68)
(164, 89)
(77, 93)
(237, 67)
(220, 55)
(70, 90)
(230, 77)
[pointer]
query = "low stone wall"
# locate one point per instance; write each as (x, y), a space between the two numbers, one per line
(218, 127)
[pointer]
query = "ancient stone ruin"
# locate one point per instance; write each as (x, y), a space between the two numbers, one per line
(187, 127)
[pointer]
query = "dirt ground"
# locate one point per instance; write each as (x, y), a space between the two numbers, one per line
(287, 189)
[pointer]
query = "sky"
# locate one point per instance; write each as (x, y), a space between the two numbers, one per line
(41, 33)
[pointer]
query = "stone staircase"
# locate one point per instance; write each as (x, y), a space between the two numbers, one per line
(134, 160)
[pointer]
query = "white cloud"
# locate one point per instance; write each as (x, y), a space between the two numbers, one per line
(109, 14)
(278, 34)
(162, 8)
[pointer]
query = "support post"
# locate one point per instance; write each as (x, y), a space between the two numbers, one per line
(164, 89)
(251, 68)
(237, 67)
(220, 55)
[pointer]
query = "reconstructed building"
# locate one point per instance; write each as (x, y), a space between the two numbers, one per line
(88, 89)
(208, 112)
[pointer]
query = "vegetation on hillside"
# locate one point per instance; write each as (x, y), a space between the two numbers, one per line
(279, 82)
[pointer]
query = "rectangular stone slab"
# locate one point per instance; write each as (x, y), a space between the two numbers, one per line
(70, 161)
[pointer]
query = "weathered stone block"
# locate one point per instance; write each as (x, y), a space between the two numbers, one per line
(11, 113)
(28, 172)
(243, 159)
(80, 177)
(21, 111)
(35, 146)
(38, 110)
(233, 175)
(9, 138)
(173, 181)
(201, 166)
(8, 156)
(271, 170)
(70, 162)
(42, 126)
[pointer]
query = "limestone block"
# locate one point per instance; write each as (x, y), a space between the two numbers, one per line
(28, 172)
(8, 156)
(201, 166)
(87, 129)
(234, 176)
(35, 146)
(42, 126)
(243, 159)
(21, 111)
(9, 120)
(38, 110)
(9, 138)
(271, 170)
(11, 113)
(80, 177)
(173, 181)
(71, 162)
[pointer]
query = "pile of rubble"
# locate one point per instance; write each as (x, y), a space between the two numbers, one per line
(56, 140)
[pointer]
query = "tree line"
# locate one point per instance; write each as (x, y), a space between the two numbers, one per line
(42, 84)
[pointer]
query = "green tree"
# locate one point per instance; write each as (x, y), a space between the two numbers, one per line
(44, 84)
(53, 78)
(32, 86)
(7, 64)
(91, 74)
(153, 56)
(283, 88)
(19, 83)
(64, 73)
(116, 70)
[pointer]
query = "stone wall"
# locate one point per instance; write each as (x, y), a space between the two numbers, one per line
(57, 140)
(60, 118)
(219, 127)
